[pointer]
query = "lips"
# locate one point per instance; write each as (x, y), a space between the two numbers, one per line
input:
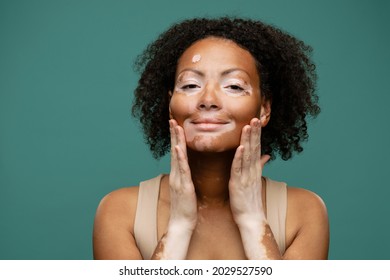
(209, 120)
(209, 124)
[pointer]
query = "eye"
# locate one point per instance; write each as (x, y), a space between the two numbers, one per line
(235, 87)
(189, 86)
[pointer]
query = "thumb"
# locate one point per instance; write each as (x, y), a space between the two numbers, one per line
(264, 159)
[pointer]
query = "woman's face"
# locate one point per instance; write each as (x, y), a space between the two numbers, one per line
(217, 93)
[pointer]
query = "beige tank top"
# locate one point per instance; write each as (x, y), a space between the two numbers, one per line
(145, 224)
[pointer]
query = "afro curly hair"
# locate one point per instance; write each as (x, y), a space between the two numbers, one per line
(288, 80)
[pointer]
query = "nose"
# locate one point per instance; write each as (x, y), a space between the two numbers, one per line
(210, 99)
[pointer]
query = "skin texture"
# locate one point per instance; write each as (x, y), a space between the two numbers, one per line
(288, 78)
(212, 204)
(196, 58)
(215, 79)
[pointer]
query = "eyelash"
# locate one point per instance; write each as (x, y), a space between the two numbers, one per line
(230, 88)
(235, 87)
(189, 86)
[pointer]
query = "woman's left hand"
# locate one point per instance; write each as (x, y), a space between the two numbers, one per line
(245, 185)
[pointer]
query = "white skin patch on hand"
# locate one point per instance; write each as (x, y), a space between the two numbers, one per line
(196, 58)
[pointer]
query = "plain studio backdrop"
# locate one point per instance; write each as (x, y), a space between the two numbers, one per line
(67, 137)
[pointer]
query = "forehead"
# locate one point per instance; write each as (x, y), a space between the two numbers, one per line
(217, 53)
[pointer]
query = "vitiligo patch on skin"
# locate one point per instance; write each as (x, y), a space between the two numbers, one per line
(196, 58)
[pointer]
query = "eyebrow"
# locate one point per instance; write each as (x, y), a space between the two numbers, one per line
(199, 73)
(227, 72)
(224, 73)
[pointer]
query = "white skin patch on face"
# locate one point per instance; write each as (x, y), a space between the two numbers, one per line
(204, 141)
(191, 132)
(196, 58)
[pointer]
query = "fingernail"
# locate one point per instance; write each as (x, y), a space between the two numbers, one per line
(253, 123)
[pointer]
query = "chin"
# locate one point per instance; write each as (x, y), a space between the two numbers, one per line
(211, 147)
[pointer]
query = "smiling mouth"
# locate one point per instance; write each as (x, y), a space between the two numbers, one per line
(209, 124)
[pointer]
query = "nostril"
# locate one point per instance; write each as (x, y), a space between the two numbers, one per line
(204, 106)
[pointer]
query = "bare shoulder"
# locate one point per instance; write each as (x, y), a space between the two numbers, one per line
(305, 202)
(113, 234)
(120, 202)
(307, 225)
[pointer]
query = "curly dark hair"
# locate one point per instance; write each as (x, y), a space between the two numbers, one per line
(288, 80)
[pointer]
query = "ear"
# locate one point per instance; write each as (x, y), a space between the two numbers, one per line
(265, 112)
(170, 113)
(169, 106)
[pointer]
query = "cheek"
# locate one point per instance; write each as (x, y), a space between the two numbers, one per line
(179, 109)
(244, 113)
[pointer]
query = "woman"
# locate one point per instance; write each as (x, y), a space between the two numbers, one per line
(224, 95)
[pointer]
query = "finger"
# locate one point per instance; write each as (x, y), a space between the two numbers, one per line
(174, 164)
(255, 142)
(237, 162)
(263, 160)
(260, 130)
(184, 168)
(172, 125)
(181, 139)
(246, 160)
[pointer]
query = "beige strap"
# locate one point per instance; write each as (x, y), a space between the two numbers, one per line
(276, 197)
(145, 224)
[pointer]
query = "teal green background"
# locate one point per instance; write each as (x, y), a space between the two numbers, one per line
(67, 137)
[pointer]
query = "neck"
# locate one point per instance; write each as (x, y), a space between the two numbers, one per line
(210, 174)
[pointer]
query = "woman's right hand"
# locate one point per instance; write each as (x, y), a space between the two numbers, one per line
(183, 211)
(182, 191)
